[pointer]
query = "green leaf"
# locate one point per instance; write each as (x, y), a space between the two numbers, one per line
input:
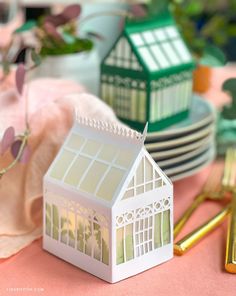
(5, 67)
(26, 26)
(68, 38)
(213, 57)
(35, 57)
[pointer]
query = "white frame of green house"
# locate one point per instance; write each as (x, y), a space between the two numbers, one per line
(156, 89)
(131, 232)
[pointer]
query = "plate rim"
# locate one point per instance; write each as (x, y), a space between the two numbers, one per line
(167, 153)
(192, 172)
(190, 154)
(182, 140)
(188, 165)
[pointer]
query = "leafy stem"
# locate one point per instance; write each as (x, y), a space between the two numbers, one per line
(24, 141)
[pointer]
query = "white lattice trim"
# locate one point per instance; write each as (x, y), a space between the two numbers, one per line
(141, 213)
(112, 128)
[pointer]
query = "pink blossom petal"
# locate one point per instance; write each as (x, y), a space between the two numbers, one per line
(51, 30)
(138, 11)
(71, 12)
(20, 78)
(15, 148)
(7, 139)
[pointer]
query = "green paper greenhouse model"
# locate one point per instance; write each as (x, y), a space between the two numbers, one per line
(108, 207)
(147, 75)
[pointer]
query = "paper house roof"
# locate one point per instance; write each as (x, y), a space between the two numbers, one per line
(156, 44)
(99, 161)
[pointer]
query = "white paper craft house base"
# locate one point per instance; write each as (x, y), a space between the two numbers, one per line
(108, 207)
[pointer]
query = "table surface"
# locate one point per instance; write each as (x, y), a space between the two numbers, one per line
(34, 271)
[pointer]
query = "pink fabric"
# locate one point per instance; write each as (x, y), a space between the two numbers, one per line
(199, 272)
(51, 105)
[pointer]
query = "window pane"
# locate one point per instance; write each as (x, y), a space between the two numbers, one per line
(124, 158)
(91, 147)
(62, 164)
(71, 229)
(48, 219)
(160, 56)
(105, 246)
(160, 35)
(148, 187)
(149, 60)
(75, 142)
(172, 32)
(148, 37)
(63, 229)
(140, 190)
(131, 184)
(166, 227)
(119, 246)
(158, 183)
(171, 54)
(128, 194)
(108, 153)
(157, 231)
(77, 170)
(55, 228)
(129, 244)
(80, 233)
(137, 40)
(140, 173)
(93, 176)
(88, 237)
(148, 170)
(97, 241)
(110, 184)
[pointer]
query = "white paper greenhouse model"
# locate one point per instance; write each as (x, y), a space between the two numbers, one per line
(147, 75)
(108, 207)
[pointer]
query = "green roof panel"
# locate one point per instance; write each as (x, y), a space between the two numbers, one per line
(159, 46)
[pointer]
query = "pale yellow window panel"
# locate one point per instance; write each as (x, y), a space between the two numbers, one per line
(91, 147)
(148, 170)
(75, 142)
(110, 184)
(158, 183)
(120, 245)
(108, 153)
(140, 189)
(71, 229)
(124, 158)
(62, 164)
(140, 173)
(93, 176)
(77, 170)
(129, 193)
(131, 184)
(157, 175)
(148, 187)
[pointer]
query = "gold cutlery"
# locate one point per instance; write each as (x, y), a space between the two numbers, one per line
(211, 190)
(229, 183)
(191, 239)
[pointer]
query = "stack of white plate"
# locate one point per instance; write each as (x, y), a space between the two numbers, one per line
(185, 148)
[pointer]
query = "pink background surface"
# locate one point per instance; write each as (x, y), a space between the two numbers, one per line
(200, 271)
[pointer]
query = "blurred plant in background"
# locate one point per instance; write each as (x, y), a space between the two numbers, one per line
(205, 22)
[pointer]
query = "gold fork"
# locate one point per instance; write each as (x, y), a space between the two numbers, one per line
(229, 183)
(211, 190)
(192, 238)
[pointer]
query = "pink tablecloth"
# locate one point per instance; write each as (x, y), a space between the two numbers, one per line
(199, 272)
